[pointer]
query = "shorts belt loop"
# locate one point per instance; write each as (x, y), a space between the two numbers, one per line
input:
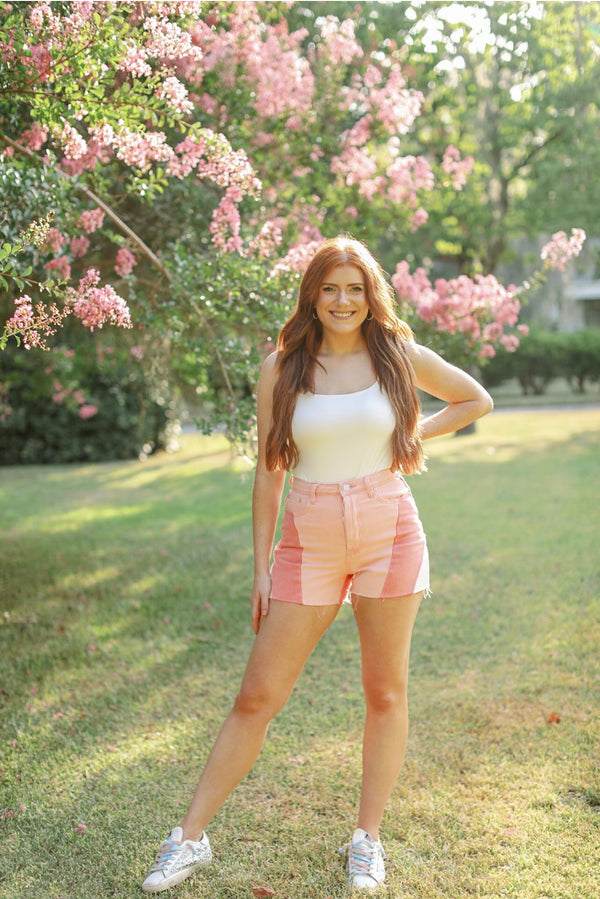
(369, 486)
(313, 492)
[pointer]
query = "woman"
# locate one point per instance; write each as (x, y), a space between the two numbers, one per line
(338, 408)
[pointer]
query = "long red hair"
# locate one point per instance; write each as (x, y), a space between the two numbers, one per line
(386, 336)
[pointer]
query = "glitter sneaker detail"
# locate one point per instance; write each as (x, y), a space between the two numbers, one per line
(175, 860)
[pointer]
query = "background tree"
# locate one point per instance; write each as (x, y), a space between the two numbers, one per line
(196, 151)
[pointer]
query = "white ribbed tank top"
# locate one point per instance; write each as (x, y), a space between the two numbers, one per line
(343, 435)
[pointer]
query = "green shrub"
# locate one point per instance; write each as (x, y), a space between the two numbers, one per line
(582, 358)
(545, 355)
(93, 403)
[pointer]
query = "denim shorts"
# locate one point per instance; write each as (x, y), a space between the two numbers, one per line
(361, 536)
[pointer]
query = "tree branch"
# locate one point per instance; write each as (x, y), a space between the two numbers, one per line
(145, 249)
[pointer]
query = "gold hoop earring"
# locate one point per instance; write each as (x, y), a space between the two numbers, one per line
(369, 315)
(314, 314)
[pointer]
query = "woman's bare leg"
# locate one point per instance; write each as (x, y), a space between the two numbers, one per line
(385, 628)
(287, 636)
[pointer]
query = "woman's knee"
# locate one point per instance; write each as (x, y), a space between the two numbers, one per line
(258, 700)
(385, 696)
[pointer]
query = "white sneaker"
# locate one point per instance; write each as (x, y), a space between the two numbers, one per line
(365, 861)
(176, 860)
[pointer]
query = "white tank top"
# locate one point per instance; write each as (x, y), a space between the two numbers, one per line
(343, 436)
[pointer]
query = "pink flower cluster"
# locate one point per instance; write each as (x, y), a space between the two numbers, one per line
(395, 105)
(225, 224)
(480, 309)
(339, 44)
(296, 258)
(33, 324)
(458, 169)
(73, 145)
(561, 249)
(91, 220)
(270, 57)
(94, 306)
(176, 95)
(268, 239)
(125, 262)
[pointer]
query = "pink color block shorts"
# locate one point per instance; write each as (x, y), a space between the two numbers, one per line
(362, 536)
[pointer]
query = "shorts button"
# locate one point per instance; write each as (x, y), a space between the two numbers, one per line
(346, 487)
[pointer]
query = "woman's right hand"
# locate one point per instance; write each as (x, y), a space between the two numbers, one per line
(259, 598)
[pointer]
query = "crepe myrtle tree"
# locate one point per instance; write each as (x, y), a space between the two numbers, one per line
(169, 167)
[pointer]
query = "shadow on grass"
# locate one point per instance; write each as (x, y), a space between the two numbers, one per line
(127, 629)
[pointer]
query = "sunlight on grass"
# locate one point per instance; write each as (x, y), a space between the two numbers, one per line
(124, 631)
(504, 436)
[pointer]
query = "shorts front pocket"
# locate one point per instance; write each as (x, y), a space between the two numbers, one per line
(391, 491)
(297, 503)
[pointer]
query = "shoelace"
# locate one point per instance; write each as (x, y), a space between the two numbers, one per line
(165, 855)
(361, 858)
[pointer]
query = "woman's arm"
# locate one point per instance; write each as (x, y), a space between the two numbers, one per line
(266, 497)
(467, 400)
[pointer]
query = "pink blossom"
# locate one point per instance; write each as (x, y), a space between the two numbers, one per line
(35, 137)
(80, 829)
(225, 224)
(79, 246)
(125, 262)
(61, 265)
(262, 139)
(135, 62)
(296, 258)
(41, 60)
(141, 150)
(395, 105)
(138, 352)
(59, 393)
(458, 169)
(407, 175)
(103, 134)
(294, 123)
(175, 94)
(561, 249)
(86, 410)
(280, 63)
(168, 41)
(481, 309)
(73, 144)
(95, 306)
(339, 42)
(54, 240)
(419, 218)
(269, 238)
(356, 165)
(90, 220)
(34, 324)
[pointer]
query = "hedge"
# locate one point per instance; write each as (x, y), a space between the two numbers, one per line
(93, 403)
(545, 355)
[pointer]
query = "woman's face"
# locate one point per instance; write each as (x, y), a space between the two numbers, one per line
(342, 303)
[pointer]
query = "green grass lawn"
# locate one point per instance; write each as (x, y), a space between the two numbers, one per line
(124, 629)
